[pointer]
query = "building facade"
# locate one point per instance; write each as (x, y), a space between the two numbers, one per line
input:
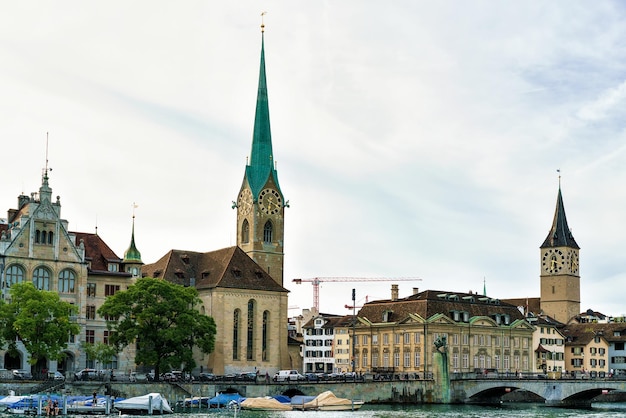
(397, 336)
(35, 245)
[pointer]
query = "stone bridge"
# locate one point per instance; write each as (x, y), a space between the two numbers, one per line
(575, 393)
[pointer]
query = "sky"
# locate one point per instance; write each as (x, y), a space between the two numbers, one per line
(413, 139)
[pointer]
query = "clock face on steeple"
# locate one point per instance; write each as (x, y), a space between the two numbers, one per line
(553, 261)
(572, 261)
(270, 201)
(245, 202)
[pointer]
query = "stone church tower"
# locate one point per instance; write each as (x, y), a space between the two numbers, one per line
(260, 204)
(560, 274)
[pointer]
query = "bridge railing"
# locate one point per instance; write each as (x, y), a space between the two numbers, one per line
(536, 376)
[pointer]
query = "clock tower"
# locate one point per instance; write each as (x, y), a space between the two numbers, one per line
(260, 203)
(560, 274)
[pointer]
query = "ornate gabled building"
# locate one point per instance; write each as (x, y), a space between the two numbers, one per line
(397, 336)
(560, 272)
(35, 245)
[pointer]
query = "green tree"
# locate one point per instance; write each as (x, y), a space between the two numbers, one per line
(100, 352)
(163, 319)
(40, 319)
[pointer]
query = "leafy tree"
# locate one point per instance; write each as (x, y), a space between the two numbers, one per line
(100, 352)
(162, 318)
(40, 319)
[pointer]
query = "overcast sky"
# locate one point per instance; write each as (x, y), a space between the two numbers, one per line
(413, 138)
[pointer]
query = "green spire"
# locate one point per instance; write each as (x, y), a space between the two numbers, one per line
(261, 165)
(132, 254)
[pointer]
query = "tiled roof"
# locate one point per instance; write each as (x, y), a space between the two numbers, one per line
(432, 302)
(96, 251)
(581, 334)
(530, 305)
(229, 267)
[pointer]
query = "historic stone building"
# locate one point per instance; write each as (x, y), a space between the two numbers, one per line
(242, 287)
(397, 336)
(36, 245)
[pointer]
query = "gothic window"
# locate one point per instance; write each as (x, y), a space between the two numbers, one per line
(37, 236)
(41, 278)
(50, 237)
(15, 274)
(43, 237)
(67, 280)
(267, 232)
(236, 316)
(245, 232)
(250, 333)
(266, 325)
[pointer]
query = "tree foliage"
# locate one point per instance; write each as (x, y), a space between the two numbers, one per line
(163, 319)
(100, 352)
(40, 319)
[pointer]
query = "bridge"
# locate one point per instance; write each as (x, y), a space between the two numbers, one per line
(557, 392)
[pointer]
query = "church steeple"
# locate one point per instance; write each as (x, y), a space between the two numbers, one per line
(261, 165)
(560, 272)
(260, 204)
(560, 235)
(132, 256)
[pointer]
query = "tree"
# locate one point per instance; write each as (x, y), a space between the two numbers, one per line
(100, 352)
(39, 319)
(162, 318)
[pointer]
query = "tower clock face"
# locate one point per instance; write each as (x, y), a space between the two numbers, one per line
(572, 261)
(553, 261)
(270, 201)
(245, 202)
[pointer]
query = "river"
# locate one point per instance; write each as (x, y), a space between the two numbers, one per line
(604, 410)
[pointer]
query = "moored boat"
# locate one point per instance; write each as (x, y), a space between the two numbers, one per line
(264, 404)
(327, 401)
(141, 405)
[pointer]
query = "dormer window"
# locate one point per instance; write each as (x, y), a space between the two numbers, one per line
(236, 272)
(185, 258)
(113, 267)
(387, 315)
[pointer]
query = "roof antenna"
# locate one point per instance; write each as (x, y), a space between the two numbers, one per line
(262, 23)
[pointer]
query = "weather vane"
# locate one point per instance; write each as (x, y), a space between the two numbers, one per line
(262, 22)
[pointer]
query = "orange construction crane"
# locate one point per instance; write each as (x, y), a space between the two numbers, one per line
(317, 280)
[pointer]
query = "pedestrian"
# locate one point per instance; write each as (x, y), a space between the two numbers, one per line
(94, 401)
(267, 377)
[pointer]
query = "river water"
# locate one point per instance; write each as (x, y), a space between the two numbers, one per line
(448, 411)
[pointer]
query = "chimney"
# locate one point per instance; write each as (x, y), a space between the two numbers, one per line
(416, 290)
(394, 292)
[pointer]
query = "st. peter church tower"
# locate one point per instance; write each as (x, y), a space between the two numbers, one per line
(560, 276)
(260, 204)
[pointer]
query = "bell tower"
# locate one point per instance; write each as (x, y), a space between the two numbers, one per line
(560, 273)
(260, 203)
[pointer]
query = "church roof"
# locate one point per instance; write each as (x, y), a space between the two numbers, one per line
(560, 235)
(229, 267)
(433, 302)
(261, 165)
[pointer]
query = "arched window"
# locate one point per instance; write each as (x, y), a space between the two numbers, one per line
(37, 236)
(245, 232)
(67, 280)
(50, 237)
(43, 237)
(14, 274)
(267, 232)
(250, 334)
(41, 278)
(265, 337)
(236, 317)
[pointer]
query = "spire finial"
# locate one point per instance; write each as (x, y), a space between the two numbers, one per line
(262, 22)
(135, 206)
(558, 170)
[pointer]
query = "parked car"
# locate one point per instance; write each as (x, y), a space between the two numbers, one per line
(247, 376)
(86, 374)
(22, 375)
(206, 377)
(288, 375)
(311, 377)
(58, 376)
